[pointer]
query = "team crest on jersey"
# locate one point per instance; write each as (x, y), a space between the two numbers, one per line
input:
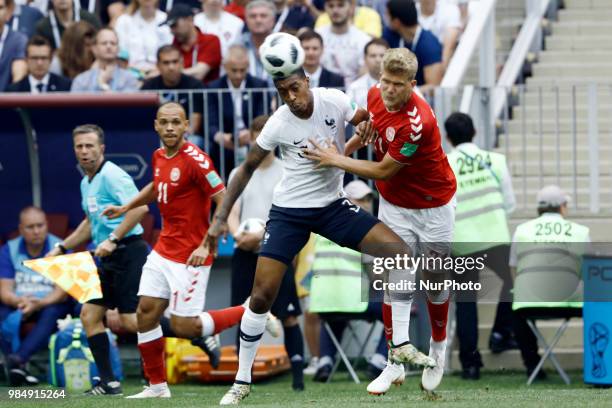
(175, 174)
(390, 133)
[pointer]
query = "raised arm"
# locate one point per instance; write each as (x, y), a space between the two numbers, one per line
(234, 190)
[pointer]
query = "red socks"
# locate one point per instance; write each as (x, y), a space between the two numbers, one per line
(387, 322)
(438, 316)
(152, 353)
(226, 318)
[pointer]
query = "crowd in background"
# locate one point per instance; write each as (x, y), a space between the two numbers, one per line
(115, 46)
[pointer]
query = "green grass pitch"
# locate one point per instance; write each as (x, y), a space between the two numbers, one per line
(493, 390)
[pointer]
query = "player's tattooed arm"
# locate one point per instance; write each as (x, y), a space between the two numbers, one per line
(241, 179)
(233, 191)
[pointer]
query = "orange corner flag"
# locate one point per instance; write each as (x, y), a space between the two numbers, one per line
(76, 273)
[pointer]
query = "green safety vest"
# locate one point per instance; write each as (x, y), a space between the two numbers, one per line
(549, 253)
(480, 218)
(338, 284)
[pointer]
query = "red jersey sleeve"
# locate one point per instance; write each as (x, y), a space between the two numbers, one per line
(203, 172)
(411, 135)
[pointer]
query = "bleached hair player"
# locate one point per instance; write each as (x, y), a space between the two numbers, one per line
(417, 188)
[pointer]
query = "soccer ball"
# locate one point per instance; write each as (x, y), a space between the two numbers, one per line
(281, 55)
(252, 225)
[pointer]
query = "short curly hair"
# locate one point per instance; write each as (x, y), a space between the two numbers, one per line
(400, 61)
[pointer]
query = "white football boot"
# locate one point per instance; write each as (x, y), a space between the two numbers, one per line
(152, 392)
(392, 374)
(432, 376)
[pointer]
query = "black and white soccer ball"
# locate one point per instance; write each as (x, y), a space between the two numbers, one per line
(281, 55)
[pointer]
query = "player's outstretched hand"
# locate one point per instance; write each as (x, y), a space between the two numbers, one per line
(198, 256)
(324, 155)
(367, 132)
(114, 211)
(218, 228)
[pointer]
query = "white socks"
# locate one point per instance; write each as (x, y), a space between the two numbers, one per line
(252, 328)
(437, 345)
(208, 324)
(401, 321)
(151, 335)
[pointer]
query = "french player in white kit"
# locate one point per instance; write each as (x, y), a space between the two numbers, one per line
(306, 200)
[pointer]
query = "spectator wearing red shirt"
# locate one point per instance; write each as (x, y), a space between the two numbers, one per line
(201, 52)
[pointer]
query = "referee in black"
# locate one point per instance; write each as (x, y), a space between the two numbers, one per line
(119, 245)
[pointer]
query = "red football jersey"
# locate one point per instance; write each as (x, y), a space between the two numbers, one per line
(207, 49)
(184, 185)
(411, 137)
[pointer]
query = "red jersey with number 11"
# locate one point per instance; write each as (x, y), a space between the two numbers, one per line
(411, 137)
(184, 185)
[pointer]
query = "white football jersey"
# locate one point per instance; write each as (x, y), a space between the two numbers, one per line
(302, 186)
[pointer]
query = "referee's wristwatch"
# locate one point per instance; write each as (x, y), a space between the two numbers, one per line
(113, 238)
(61, 247)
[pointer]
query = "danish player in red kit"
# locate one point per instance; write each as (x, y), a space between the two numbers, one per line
(176, 272)
(417, 188)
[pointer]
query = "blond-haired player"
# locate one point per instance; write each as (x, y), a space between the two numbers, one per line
(417, 188)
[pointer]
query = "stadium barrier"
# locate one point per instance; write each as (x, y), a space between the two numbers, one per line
(549, 134)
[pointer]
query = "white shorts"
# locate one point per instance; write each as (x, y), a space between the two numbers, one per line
(424, 230)
(184, 286)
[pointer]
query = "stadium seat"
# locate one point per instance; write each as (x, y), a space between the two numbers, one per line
(555, 313)
(348, 337)
(58, 224)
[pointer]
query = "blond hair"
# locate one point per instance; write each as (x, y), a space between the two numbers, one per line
(400, 61)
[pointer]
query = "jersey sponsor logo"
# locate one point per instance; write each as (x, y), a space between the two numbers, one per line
(213, 179)
(390, 133)
(175, 174)
(408, 149)
(298, 142)
(204, 165)
(413, 113)
(414, 137)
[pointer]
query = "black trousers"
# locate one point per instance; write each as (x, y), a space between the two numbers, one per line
(467, 312)
(527, 341)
